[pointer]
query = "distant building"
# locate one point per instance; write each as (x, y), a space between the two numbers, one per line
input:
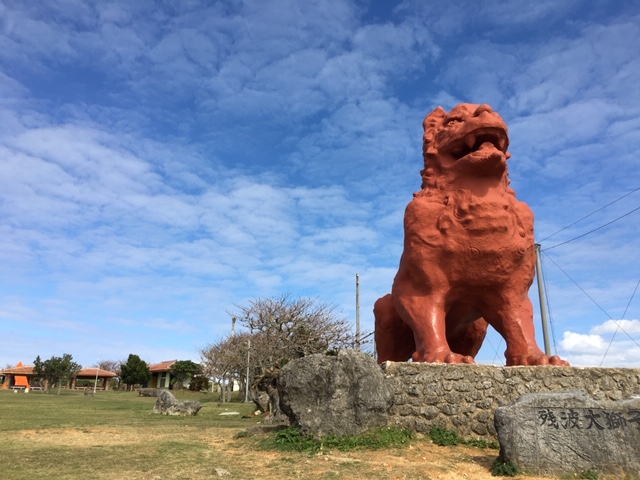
(101, 378)
(22, 377)
(161, 374)
(18, 377)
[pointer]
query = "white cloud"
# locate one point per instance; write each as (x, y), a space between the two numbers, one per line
(613, 343)
(581, 343)
(618, 327)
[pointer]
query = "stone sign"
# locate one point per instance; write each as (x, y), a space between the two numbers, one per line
(567, 432)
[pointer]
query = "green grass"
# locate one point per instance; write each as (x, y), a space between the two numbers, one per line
(115, 436)
(444, 437)
(73, 436)
(291, 439)
(72, 409)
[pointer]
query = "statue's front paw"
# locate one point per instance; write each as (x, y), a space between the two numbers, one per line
(536, 359)
(441, 356)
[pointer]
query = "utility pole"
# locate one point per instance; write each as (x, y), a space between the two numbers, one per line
(233, 326)
(246, 392)
(543, 302)
(95, 384)
(358, 311)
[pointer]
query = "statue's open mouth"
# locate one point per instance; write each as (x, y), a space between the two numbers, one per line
(489, 139)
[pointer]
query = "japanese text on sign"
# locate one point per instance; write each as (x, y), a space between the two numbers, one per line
(588, 419)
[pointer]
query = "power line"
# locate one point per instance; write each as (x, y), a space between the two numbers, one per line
(581, 289)
(594, 230)
(619, 322)
(596, 303)
(495, 349)
(592, 213)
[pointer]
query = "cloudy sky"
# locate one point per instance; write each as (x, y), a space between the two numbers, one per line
(163, 161)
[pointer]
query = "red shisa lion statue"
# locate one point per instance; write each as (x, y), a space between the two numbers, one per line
(468, 258)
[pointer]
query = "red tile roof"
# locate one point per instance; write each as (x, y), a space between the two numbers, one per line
(22, 370)
(91, 372)
(162, 366)
(85, 372)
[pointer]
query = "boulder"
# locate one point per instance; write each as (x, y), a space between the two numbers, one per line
(334, 395)
(148, 392)
(188, 407)
(569, 432)
(167, 404)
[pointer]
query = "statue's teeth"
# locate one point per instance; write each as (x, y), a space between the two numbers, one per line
(470, 141)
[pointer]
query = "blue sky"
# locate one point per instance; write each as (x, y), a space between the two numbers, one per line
(163, 161)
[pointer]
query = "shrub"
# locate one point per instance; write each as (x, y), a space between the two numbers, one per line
(199, 383)
(504, 469)
(292, 439)
(588, 475)
(444, 437)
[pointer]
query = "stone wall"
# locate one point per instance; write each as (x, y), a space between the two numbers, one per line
(463, 398)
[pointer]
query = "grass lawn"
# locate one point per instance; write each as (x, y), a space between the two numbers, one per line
(115, 436)
(112, 435)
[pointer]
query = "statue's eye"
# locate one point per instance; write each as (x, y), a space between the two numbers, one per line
(453, 121)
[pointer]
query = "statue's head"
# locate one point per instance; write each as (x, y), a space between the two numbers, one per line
(471, 139)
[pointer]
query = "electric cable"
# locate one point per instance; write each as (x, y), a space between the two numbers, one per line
(592, 213)
(590, 298)
(594, 230)
(618, 327)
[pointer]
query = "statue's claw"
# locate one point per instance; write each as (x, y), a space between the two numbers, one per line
(441, 356)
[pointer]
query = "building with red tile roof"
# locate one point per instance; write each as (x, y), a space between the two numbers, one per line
(161, 374)
(21, 377)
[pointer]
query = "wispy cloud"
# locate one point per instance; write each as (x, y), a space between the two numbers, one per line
(163, 162)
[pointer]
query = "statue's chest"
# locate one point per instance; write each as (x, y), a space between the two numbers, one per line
(473, 239)
(470, 219)
(464, 222)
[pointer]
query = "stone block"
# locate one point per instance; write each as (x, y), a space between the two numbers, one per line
(336, 395)
(568, 432)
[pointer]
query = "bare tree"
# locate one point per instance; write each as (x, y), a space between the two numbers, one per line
(110, 365)
(279, 329)
(294, 328)
(225, 362)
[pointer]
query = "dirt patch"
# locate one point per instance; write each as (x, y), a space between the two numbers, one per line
(240, 458)
(421, 460)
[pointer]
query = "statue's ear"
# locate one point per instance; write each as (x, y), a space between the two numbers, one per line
(431, 124)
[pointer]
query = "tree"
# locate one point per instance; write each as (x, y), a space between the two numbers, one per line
(56, 370)
(135, 371)
(279, 329)
(226, 361)
(109, 365)
(182, 370)
(294, 328)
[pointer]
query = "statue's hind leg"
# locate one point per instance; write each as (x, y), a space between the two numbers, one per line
(394, 338)
(468, 341)
(426, 317)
